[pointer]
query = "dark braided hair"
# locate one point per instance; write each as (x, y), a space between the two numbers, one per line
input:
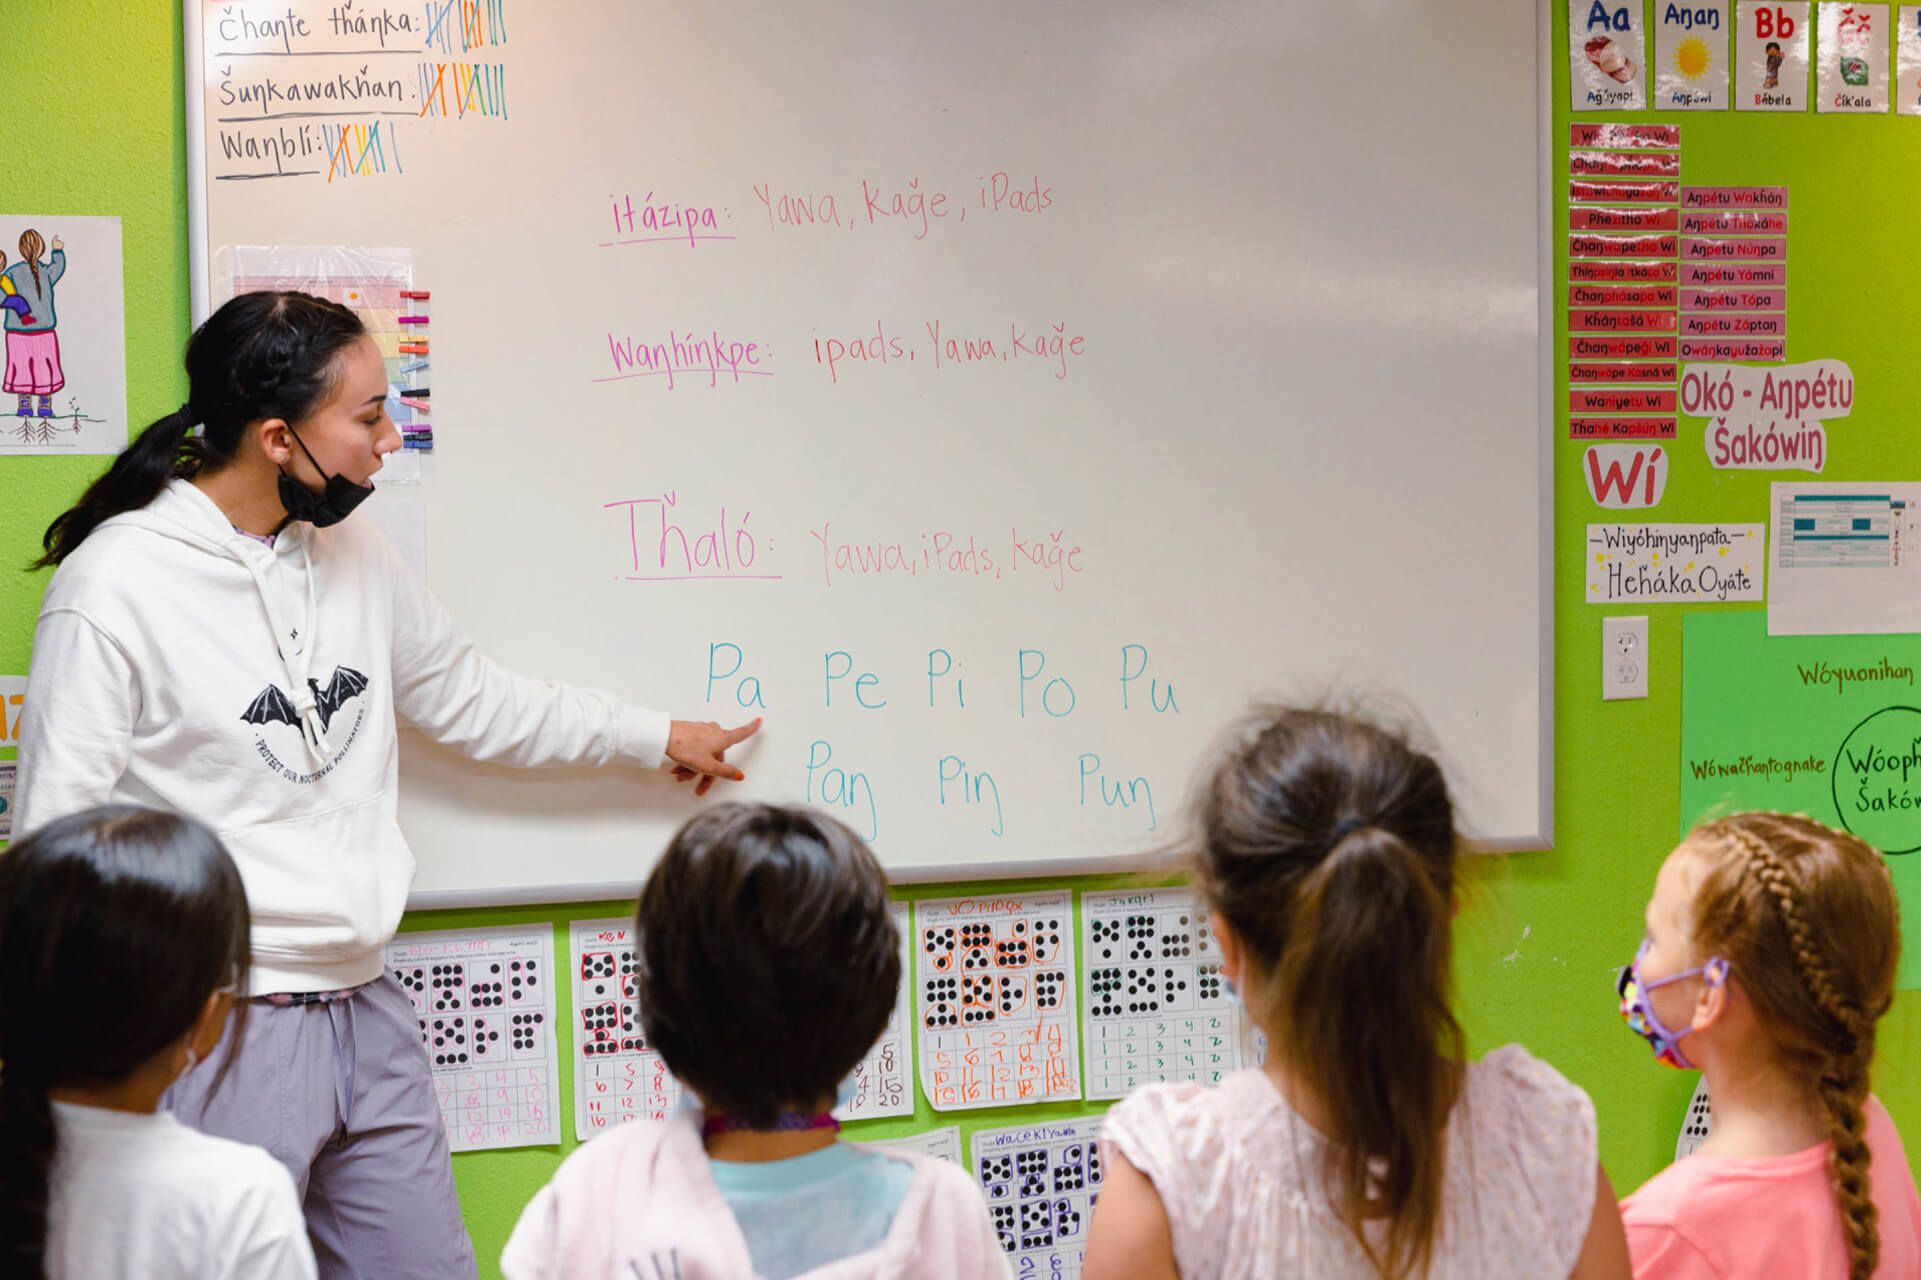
(262, 355)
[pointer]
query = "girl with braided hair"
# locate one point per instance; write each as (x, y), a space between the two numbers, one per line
(219, 639)
(1770, 955)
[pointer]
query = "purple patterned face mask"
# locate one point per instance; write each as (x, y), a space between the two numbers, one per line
(1638, 1009)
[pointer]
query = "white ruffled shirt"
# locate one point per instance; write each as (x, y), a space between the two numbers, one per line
(1239, 1173)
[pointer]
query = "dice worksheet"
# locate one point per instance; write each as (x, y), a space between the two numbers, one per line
(485, 1000)
(618, 1077)
(994, 1000)
(1041, 1181)
(1155, 1006)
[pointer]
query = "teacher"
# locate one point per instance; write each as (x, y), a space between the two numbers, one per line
(220, 640)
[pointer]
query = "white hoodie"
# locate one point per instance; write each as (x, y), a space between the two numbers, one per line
(157, 680)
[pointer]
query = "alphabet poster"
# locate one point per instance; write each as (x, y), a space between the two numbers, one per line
(65, 386)
(1852, 53)
(1607, 56)
(1770, 57)
(1690, 57)
(1827, 726)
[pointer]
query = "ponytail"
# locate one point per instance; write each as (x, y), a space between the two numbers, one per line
(1363, 981)
(136, 477)
(1328, 845)
(261, 356)
(27, 1136)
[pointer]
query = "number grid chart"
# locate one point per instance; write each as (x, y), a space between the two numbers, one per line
(1155, 1004)
(485, 1000)
(618, 1078)
(883, 1079)
(1041, 1182)
(995, 1000)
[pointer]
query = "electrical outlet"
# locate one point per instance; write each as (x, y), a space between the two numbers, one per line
(1624, 658)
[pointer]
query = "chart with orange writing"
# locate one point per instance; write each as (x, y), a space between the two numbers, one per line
(994, 1000)
(485, 1000)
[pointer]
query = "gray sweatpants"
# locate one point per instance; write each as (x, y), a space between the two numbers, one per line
(340, 1093)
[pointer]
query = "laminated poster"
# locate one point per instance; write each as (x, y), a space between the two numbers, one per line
(1607, 55)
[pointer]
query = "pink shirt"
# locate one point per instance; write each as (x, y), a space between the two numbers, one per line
(1719, 1218)
(641, 1201)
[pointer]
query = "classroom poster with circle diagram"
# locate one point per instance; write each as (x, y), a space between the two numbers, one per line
(1828, 726)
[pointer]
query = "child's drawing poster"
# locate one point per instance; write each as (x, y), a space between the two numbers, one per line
(64, 322)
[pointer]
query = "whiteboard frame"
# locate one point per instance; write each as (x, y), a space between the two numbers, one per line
(200, 287)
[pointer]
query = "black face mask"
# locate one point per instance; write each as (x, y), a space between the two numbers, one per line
(320, 509)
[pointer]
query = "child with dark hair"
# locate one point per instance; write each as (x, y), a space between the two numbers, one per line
(1366, 1146)
(123, 940)
(221, 638)
(767, 966)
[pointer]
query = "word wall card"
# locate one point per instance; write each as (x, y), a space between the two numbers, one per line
(1041, 1182)
(618, 1078)
(485, 1000)
(1156, 1006)
(995, 1000)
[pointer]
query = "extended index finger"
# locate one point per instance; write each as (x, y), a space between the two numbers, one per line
(741, 734)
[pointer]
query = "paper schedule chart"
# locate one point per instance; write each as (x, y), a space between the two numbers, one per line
(1832, 530)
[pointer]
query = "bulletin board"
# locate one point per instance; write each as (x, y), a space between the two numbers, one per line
(1736, 294)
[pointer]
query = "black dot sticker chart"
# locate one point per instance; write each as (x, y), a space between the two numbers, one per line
(485, 1000)
(1155, 1006)
(618, 1078)
(1041, 1182)
(883, 1080)
(994, 1000)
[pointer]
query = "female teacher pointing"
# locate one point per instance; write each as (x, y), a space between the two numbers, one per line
(220, 641)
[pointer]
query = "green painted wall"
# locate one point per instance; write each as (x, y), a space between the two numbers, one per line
(1542, 933)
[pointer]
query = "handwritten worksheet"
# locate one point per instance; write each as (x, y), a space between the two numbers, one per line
(994, 1000)
(618, 1077)
(1041, 1181)
(485, 1000)
(1155, 1006)
(883, 1079)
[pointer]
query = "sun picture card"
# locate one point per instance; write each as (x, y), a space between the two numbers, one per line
(1691, 57)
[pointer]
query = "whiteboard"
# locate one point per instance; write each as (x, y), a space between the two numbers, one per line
(1085, 370)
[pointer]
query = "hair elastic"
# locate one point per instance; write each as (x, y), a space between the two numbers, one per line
(1343, 829)
(788, 1122)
